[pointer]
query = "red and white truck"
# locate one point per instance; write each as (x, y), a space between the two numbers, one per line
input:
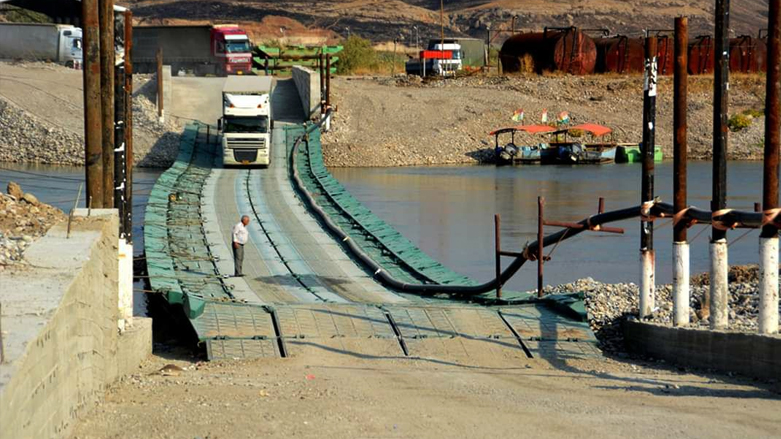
(219, 50)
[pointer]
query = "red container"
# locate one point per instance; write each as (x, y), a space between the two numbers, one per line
(564, 50)
(747, 55)
(665, 54)
(701, 55)
(619, 54)
(436, 54)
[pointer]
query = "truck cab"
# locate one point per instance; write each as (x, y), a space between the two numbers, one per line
(246, 122)
(232, 47)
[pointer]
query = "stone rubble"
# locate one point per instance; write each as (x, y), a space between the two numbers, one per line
(23, 219)
(609, 304)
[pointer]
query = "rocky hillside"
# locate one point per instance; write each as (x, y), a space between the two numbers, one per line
(384, 20)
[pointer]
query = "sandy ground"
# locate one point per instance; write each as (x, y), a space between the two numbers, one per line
(387, 122)
(338, 396)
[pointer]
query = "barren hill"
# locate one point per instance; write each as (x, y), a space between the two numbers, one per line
(384, 20)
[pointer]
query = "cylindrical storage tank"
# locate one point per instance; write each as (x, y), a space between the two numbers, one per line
(701, 55)
(665, 54)
(619, 54)
(747, 54)
(565, 50)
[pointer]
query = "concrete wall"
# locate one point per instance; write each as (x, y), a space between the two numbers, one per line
(748, 354)
(308, 85)
(59, 322)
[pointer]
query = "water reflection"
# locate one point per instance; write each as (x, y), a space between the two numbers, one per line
(448, 212)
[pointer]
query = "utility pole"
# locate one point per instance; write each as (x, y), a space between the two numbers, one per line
(107, 97)
(681, 265)
(647, 259)
(719, 269)
(768, 239)
(93, 136)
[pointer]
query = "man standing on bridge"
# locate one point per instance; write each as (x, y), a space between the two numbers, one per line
(240, 237)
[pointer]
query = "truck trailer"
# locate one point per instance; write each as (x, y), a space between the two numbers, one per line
(246, 123)
(219, 50)
(60, 43)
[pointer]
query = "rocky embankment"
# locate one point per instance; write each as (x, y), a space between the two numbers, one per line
(404, 121)
(41, 118)
(609, 304)
(23, 219)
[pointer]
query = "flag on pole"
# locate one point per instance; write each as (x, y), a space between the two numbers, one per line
(544, 118)
(564, 117)
(518, 115)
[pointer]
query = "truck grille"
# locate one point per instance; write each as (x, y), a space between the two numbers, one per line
(245, 155)
(246, 143)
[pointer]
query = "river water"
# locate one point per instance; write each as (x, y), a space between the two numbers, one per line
(448, 212)
(59, 185)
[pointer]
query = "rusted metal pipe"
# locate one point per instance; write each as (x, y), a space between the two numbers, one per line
(328, 81)
(160, 98)
(106, 20)
(93, 135)
(540, 237)
(719, 284)
(129, 123)
(680, 125)
(498, 249)
(647, 190)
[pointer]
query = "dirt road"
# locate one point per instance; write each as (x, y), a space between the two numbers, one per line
(331, 395)
(387, 122)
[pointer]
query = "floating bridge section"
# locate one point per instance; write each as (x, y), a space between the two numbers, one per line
(309, 295)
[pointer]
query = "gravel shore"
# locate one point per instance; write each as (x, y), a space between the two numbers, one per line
(404, 121)
(609, 304)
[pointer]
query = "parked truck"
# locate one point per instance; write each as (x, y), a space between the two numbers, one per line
(60, 43)
(246, 123)
(219, 50)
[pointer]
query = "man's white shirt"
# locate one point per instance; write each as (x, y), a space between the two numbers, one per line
(240, 233)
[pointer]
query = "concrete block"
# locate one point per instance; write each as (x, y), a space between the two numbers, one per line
(752, 355)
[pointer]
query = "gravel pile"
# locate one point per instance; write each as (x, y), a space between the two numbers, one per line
(609, 304)
(27, 138)
(23, 219)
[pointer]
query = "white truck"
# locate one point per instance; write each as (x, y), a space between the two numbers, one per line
(245, 126)
(60, 43)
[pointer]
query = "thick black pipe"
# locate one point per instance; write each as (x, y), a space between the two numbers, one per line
(649, 139)
(720, 112)
(772, 115)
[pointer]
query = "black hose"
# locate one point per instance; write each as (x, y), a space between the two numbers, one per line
(748, 219)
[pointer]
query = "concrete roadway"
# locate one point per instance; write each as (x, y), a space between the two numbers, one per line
(289, 259)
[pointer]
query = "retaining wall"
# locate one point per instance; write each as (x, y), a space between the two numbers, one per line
(308, 85)
(60, 337)
(753, 355)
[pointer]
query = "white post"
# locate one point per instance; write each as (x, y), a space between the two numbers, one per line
(646, 283)
(680, 284)
(768, 285)
(719, 285)
(125, 258)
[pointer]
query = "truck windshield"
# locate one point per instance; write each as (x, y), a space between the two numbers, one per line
(255, 125)
(237, 46)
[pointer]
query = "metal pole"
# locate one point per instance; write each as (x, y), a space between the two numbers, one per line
(540, 247)
(719, 282)
(160, 98)
(647, 227)
(680, 245)
(106, 8)
(93, 136)
(498, 248)
(768, 239)
(129, 124)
